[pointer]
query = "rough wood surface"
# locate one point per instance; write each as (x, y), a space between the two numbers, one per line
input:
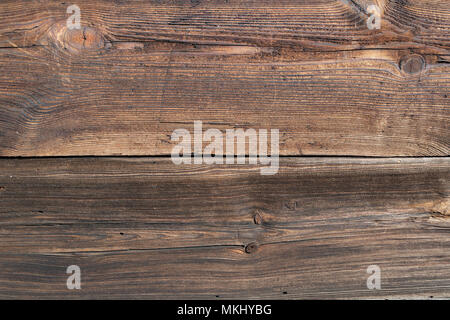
(137, 70)
(144, 228)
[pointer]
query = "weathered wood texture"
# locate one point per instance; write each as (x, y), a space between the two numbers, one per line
(137, 70)
(144, 228)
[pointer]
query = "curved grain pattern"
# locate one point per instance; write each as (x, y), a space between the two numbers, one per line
(137, 71)
(129, 103)
(322, 25)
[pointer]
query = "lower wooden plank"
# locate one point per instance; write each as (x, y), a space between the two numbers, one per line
(145, 228)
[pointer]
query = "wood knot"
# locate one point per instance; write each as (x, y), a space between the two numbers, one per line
(251, 247)
(85, 38)
(76, 40)
(412, 64)
(257, 217)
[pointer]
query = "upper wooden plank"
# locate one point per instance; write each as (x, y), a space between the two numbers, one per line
(138, 70)
(318, 24)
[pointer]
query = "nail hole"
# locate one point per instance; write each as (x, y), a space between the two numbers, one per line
(121, 233)
(284, 292)
(251, 247)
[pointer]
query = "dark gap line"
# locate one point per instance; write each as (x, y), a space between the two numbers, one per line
(162, 156)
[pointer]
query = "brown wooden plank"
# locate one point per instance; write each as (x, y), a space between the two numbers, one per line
(319, 25)
(141, 69)
(145, 228)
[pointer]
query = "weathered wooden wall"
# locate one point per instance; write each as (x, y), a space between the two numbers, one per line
(363, 117)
